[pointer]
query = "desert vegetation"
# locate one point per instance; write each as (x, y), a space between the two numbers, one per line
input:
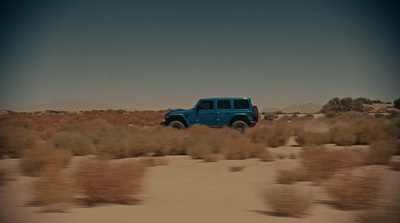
(122, 145)
(289, 200)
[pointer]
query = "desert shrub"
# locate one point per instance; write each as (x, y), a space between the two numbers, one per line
(270, 116)
(389, 214)
(310, 116)
(288, 200)
(331, 114)
(392, 128)
(393, 114)
(291, 176)
(112, 142)
(14, 138)
(157, 142)
(273, 135)
(203, 150)
(102, 181)
(307, 138)
(343, 135)
(168, 141)
(266, 155)
(353, 191)
(53, 189)
(279, 134)
(321, 163)
(241, 148)
(36, 159)
(380, 152)
(77, 142)
(258, 134)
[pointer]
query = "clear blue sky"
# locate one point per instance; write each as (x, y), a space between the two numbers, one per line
(167, 54)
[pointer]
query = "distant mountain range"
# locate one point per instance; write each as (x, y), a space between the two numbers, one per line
(75, 105)
(301, 108)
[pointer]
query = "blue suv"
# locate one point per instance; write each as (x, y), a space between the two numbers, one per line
(238, 113)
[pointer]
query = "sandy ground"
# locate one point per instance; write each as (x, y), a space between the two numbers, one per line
(188, 190)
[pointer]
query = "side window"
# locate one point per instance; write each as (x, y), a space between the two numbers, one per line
(241, 104)
(206, 105)
(224, 105)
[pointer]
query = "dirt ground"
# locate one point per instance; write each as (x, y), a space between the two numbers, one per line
(187, 190)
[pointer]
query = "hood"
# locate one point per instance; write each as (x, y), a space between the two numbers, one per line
(178, 111)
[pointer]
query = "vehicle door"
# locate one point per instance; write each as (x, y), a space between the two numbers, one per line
(224, 112)
(206, 113)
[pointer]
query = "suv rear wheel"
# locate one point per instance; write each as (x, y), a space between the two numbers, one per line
(241, 126)
(176, 125)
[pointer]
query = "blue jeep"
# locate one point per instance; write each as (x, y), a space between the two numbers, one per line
(237, 113)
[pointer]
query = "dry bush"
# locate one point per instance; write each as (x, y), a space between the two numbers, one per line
(157, 141)
(101, 181)
(389, 214)
(272, 134)
(291, 176)
(112, 142)
(14, 138)
(380, 152)
(77, 142)
(53, 189)
(343, 135)
(241, 148)
(205, 150)
(266, 155)
(288, 200)
(258, 134)
(352, 191)
(306, 138)
(321, 163)
(36, 159)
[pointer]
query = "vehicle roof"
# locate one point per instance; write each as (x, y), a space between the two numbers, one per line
(225, 98)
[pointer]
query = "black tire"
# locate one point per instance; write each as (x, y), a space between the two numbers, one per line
(255, 113)
(177, 125)
(241, 126)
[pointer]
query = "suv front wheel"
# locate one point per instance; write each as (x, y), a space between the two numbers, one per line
(241, 126)
(176, 125)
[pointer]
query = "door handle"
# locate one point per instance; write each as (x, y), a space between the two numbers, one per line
(212, 113)
(228, 113)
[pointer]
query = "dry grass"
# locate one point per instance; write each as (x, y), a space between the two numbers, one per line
(343, 135)
(266, 155)
(102, 181)
(53, 190)
(291, 176)
(389, 214)
(271, 134)
(14, 138)
(112, 142)
(288, 200)
(36, 159)
(380, 152)
(241, 148)
(351, 191)
(321, 163)
(307, 138)
(75, 141)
